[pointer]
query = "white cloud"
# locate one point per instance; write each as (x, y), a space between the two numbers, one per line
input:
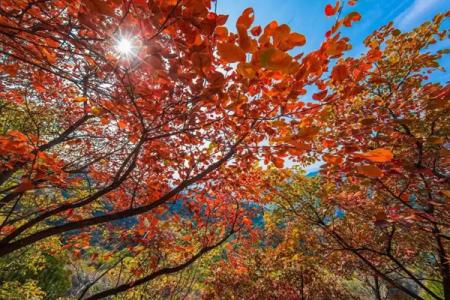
(417, 10)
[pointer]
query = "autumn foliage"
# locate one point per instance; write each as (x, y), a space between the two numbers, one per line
(141, 161)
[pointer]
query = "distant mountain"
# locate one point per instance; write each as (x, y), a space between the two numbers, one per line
(312, 174)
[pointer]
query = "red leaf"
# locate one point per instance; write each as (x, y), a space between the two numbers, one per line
(256, 30)
(330, 10)
(339, 73)
(319, 96)
(370, 171)
(25, 185)
(278, 162)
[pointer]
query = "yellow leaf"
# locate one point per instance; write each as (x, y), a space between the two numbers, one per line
(394, 58)
(97, 111)
(80, 99)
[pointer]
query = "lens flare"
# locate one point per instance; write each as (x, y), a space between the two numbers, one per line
(124, 46)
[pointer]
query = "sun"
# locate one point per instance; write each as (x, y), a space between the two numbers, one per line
(124, 46)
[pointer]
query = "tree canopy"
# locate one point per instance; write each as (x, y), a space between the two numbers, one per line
(147, 151)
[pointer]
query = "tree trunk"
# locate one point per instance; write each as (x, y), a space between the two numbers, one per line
(444, 263)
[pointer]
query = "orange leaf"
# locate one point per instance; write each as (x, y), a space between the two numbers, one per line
(332, 159)
(241, 270)
(377, 155)
(274, 59)
(230, 52)
(351, 17)
(7, 229)
(121, 124)
(186, 238)
(246, 19)
(307, 133)
(49, 55)
(374, 55)
(244, 40)
(80, 99)
(246, 70)
(18, 135)
(222, 32)
(297, 39)
(370, 171)
(278, 162)
(52, 43)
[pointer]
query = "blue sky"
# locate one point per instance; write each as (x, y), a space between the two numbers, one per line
(307, 17)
